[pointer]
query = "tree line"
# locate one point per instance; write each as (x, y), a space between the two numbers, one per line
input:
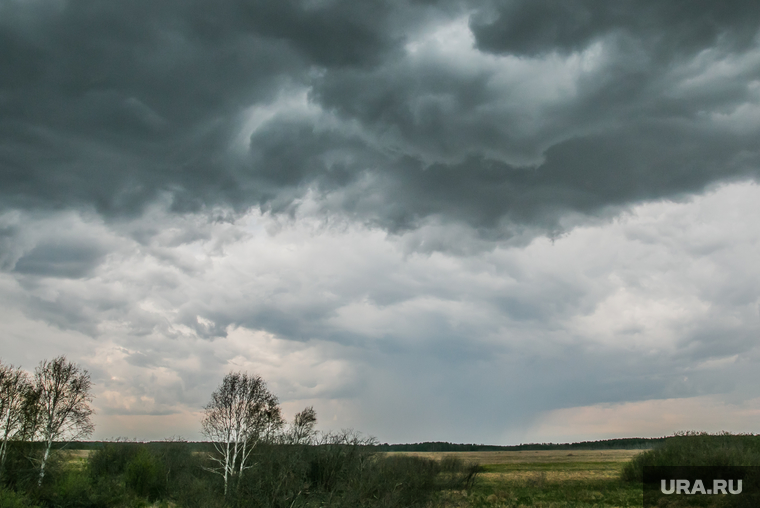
(629, 443)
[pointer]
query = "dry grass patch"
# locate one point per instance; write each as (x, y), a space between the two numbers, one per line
(549, 479)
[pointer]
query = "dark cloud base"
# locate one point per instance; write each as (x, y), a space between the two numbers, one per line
(113, 106)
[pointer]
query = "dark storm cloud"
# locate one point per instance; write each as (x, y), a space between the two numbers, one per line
(109, 104)
(529, 27)
(115, 105)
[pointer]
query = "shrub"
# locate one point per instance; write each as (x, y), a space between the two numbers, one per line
(10, 499)
(112, 459)
(458, 475)
(20, 472)
(697, 449)
(145, 475)
(71, 488)
(198, 492)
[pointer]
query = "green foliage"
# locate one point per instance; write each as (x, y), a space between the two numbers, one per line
(398, 481)
(198, 492)
(697, 449)
(112, 458)
(10, 499)
(72, 488)
(342, 472)
(560, 494)
(145, 475)
(20, 470)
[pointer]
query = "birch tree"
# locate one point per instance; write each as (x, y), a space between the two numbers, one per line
(241, 414)
(15, 394)
(63, 405)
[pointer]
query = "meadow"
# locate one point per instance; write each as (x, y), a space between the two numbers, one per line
(543, 478)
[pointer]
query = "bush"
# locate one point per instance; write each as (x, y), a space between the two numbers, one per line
(697, 449)
(198, 492)
(20, 472)
(71, 488)
(459, 474)
(112, 459)
(344, 473)
(10, 499)
(145, 475)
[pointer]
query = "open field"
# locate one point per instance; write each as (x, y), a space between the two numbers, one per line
(526, 457)
(549, 479)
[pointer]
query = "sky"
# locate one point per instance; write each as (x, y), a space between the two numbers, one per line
(499, 221)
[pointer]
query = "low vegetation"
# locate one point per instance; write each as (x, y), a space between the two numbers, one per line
(699, 455)
(698, 449)
(252, 457)
(337, 472)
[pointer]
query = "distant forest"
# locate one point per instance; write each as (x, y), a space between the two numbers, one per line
(633, 443)
(628, 443)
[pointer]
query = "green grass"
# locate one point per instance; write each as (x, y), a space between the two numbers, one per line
(548, 494)
(553, 466)
(541, 492)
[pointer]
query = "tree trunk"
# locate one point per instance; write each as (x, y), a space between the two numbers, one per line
(4, 445)
(44, 461)
(226, 467)
(3, 451)
(242, 458)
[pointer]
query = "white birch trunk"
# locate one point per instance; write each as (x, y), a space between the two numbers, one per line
(44, 460)
(226, 467)
(242, 458)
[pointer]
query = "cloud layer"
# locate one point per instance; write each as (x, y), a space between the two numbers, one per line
(501, 115)
(660, 303)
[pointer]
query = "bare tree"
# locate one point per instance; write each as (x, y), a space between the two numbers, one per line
(15, 395)
(64, 410)
(242, 413)
(302, 431)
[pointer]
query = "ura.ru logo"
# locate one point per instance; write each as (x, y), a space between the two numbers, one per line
(686, 487)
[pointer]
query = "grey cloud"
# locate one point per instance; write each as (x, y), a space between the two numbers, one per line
(70, 259)
(466, 149)
(108, 105)
(116, 106)
(139, 359)
(527, 27)
(477, 343)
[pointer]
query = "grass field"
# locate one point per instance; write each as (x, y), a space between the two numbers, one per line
(546, 479)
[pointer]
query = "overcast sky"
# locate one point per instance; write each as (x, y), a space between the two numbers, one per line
(491, 221)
